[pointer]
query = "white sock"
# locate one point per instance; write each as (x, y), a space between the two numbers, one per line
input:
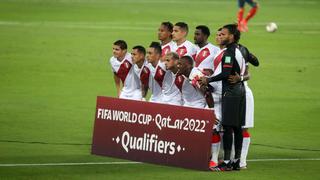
(215, 147)
(244, 151)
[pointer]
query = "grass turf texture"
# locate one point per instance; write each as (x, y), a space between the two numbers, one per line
(54, 62)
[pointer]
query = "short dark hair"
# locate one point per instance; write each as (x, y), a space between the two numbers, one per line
(121, 43)
(173, 55)
(219, 29)
(140, 49)
(183, 25)
(189, 59)
(168, 25)
(204, 29)
(233, 29)
(156, 46)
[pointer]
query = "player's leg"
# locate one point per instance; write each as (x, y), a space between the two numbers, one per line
(215, 147)
(249, 124)
(251, 13)
(240, 13)
(238, 140)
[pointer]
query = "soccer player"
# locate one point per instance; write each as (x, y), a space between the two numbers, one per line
(206, 53)
(191, 94)
(170, 92)
(121, 63)
(249, 58)
(165, 36)
(242, 23)
(157, 71)
(179, 35)
(141, 69)
(233, 99)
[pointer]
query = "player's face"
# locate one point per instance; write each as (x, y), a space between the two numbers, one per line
(199, 37)
(225, 36)
(137, 56)
(182, 66)
(163, 33)
(169, 62)
(118, 52)
(152, 55)
(218, 37)
(178, 33)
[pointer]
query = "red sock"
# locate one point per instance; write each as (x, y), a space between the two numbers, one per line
(251, 13)
(240, 15)
(245, 134)
(215, 138)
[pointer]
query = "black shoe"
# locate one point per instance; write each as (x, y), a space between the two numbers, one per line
(236, 165)
(223, 167)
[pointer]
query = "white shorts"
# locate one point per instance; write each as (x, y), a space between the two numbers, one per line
(249, 108)
(134, 95)
(217, 98)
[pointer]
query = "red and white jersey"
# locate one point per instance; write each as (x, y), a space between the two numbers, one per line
(217, 69)
(205, 56)
(169, 47)
(125, 71)
(143, 73)
(187, 49)
(191, 95)
(170, 92)
(154, 85)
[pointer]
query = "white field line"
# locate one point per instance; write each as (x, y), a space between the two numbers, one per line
(125, 163)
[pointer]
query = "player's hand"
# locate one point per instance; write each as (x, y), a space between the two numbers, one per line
(203, 81)
(234, 78)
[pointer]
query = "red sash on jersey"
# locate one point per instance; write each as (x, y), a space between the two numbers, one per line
(179, 82)
(144, 76)
(217, 60)
(124, 70)
(165, 51)
(181, 51)
(204, 53)
(159, 76)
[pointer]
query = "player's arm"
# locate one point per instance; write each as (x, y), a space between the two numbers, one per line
(253, 60)
(227, 64)
(117, 83)
(237, 78)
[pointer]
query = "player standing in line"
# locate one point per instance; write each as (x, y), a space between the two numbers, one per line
(179, 35)
(165, 36)
(141, 69)
(242, 23)
(157, 71)
(233, 99)
(217, 96)
(192, 95)
(170, 92)
(121, 64)
(206, 53)
(249, 58)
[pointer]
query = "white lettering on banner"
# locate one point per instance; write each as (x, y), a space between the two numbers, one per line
(186, 124)
(148, 142)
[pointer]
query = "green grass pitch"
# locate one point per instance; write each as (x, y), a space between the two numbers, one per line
(54, 62)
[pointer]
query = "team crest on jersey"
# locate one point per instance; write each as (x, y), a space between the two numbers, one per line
(228, 59)
(160, 72)
(126, 64)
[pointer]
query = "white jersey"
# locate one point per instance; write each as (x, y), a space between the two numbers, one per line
(125, 71)
(169, 47)
(217, 69)
(191, 95)
(170, 92)
(205, 56)
(154, 85)
(187, 49)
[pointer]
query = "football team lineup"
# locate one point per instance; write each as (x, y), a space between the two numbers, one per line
(55, 61)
